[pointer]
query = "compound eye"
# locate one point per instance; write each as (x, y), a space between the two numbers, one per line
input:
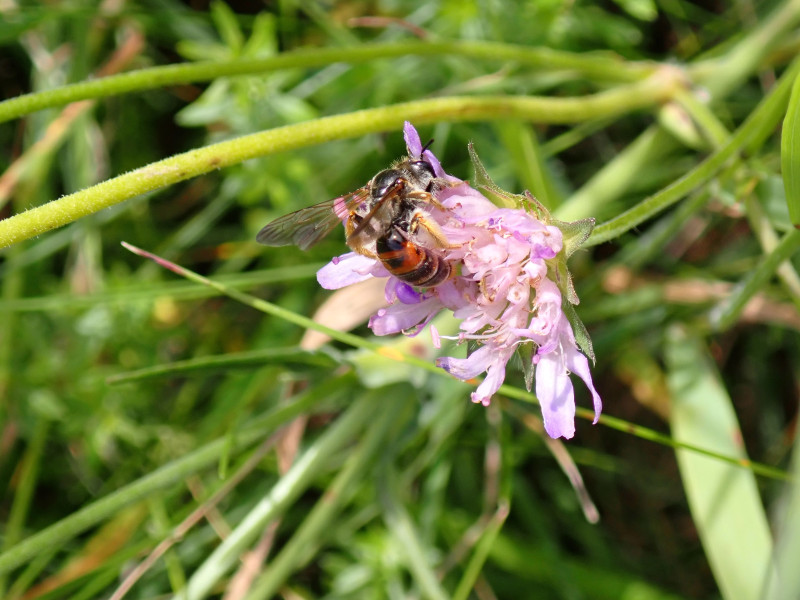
(422, 169)
(382, 182)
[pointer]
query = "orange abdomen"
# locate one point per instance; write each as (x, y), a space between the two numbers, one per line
(411, 263)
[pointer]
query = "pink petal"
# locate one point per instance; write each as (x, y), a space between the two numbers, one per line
(345, 270)
(578, 364)
(467, 368)
(435, 339)
(468, 203)
(495, 375)
(556, 396)
(401, 317)
(413, 143)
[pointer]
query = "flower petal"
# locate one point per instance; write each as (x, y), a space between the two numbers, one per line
(345, 270)
(495, 375)
(579, 364)
(556, 396)
(467, 368)
(413, 143)
(401, 317)
(414, 147)
(468, 203)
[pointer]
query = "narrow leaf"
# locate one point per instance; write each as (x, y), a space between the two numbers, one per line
(723, 498)
(790, 154)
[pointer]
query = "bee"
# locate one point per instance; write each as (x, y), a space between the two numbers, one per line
(388, 219)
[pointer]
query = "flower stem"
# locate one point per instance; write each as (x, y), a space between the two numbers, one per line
(511, 392)
(203, 160)
(601, 67)
(719, 76)
(724, 315)
(702, 172)
(723, 74)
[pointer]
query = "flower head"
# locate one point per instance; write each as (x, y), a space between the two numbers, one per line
(503, 293)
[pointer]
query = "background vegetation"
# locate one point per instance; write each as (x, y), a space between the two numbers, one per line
(159, 438)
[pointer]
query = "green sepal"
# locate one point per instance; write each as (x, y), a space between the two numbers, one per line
(472, 346)
(575, 233)
(525, 354)
(579, 329)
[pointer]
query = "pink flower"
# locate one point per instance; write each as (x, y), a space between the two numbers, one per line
(504, 294)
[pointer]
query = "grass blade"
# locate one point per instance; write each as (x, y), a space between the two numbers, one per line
(723, 499)
(790, 154)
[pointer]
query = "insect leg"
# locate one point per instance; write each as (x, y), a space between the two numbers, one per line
(420, 221)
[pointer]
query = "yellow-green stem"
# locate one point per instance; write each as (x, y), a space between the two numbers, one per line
(203, 160)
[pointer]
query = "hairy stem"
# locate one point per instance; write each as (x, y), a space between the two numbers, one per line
(197, 162)
(601, 67)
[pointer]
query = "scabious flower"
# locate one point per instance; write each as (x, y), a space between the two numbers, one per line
(504, 292)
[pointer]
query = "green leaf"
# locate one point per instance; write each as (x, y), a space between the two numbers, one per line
(263, 40)
(790, 154)
(227, 25)
(723, 498)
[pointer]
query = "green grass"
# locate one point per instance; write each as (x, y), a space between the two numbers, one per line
(166, 436)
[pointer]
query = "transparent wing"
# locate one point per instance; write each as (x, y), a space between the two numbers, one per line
(308, 226)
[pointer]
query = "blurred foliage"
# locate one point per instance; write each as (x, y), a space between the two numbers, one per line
(411, 491)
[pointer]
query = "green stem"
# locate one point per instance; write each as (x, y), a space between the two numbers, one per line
(203, 160)
(703, 116)
(475, 565)
(652, 435)
(702, 172)
(601, 67)
(613, 180)
(769, 240)
(282, 494)
(394, 354)
(725, 315)
(177, 290)
(610, 181)
(208, 364)
(651, 244)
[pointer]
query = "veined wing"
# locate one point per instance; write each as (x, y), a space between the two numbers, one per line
(308, 226)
